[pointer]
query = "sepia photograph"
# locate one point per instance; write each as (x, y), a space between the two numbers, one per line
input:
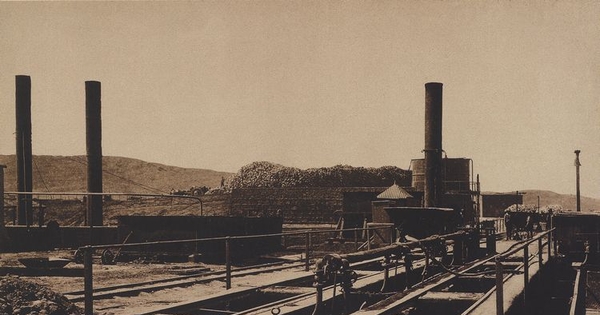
(300, 157)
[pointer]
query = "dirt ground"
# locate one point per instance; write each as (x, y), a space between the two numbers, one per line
(122, 273)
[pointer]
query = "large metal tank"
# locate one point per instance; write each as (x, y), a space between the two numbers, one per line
(456, 174)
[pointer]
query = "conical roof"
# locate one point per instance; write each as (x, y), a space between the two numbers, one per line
(394, 192)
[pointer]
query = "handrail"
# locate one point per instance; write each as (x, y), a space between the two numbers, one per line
(520, 245)
(523, 245)
(222, 238)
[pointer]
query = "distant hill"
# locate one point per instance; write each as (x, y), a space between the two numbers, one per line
(125, 175)
(568, 202)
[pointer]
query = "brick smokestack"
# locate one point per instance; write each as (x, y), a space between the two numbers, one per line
(23, 145)
(433, 144)
(93, 126)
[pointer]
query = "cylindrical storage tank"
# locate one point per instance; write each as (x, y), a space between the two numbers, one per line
(417, 167)
(457, 175)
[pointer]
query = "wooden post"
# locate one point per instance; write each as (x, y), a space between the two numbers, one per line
(88, 280)
(525, 271)
(4, 241)
(408, 270)
(549, 245)
(307, 258)
(457, 250)
(368, 238)
(540, 250)
(499, 287)
(228, 263)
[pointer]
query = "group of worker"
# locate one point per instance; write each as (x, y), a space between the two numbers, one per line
(511, 232)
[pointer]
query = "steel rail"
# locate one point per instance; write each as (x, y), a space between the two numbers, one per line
(302, 296)
(177, 278)
(175, 283)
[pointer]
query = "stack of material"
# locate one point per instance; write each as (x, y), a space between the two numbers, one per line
(19, 297)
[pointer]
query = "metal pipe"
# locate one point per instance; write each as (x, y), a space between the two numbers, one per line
(23, 146)
(94, 151)
(433, 144)
(319, 296)
(351, 257)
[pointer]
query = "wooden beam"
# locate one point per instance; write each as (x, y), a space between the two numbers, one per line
(437, 296)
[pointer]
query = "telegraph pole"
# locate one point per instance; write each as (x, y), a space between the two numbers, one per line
(577, 165)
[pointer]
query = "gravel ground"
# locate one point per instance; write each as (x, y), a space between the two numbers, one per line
(103, 275)
(109, 275)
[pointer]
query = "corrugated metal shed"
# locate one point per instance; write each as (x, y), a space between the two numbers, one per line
(394, 192)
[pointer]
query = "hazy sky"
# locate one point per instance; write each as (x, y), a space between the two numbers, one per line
(220, 84)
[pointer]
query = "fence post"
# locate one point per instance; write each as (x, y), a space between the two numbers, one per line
(228, 263)
(457, 251)
(368, 238)
(525, 271)
(88, 280)
(540, 250)
(355, 239)
(307, 256)
(499, 287)
(549, 245)
(392, 234)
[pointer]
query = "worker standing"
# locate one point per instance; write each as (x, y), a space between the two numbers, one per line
(508, 225)
(529, 227)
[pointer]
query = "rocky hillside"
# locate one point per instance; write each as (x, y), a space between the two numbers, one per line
(125, 175)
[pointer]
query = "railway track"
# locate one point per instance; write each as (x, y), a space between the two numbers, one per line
(277, 296)
(131, 289)
(455, 290)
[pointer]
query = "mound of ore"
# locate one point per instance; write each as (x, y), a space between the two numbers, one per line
(20, 297)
